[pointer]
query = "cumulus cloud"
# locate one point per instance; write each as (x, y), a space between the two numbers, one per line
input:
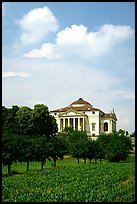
(14, 74)
(73, 40)
(36, 24)
(47, 50)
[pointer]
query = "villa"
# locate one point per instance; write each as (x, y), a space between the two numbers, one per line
(82, 116)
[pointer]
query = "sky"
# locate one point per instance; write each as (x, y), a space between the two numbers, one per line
(54, 53)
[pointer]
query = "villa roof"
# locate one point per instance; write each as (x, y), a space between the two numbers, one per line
(78, 105)
(110, 115)
(76, 108)
(80, 101)
(81, 105)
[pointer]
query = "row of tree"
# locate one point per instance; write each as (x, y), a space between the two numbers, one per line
(114, 146)
(26, 121)
(26, 133)
(30, 135)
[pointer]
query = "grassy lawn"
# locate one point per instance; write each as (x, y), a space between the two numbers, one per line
(70, 182)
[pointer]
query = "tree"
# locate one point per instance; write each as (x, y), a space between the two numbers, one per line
(10, 137)
(56, 149)
(102, 146)
(90, 152)
(41, 152)
(98, 150)
(34, 128)
(4, 116)
(78, 144)
(85, 149)
(27, 150)
(63, 137)
(132, 134)
(114, 146)
(9, 149)
(9, 122)
(36, 121)
(43, 123)
(119, 147)
(24, 120)
(40, 126)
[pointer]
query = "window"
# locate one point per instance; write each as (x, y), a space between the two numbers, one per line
(93, 112)
(55, 113)
(105, 126)
(93, 126)
(93, 134)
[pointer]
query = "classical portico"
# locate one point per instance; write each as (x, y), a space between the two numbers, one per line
(72, 118)
(82, 116)
(76, 123)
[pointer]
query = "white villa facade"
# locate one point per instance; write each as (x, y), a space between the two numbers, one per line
(81, 115)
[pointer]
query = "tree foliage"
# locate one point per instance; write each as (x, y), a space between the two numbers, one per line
(10, 149)
(24, 130)
(78, 144)
(9, 122)
(24, 120)
(115, 145)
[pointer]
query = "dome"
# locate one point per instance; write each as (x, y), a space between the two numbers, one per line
(80, 101)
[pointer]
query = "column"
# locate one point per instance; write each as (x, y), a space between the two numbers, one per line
(71, 122)
(60, 124)
(83, 124)
(68, 122)
(79, 124)
(63, 123)
(74, 123)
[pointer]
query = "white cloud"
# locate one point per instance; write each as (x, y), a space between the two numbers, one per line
(76, 34)
(47, 50)
(77, 41)
(14, 74)
(36, 24)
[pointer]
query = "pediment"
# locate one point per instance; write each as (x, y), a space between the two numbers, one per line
(71, 113)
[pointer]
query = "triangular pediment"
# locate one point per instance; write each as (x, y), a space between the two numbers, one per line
(71, 113)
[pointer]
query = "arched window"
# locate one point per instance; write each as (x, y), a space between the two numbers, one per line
(105, 126)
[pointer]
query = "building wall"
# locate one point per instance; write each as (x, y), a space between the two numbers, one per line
(93, 119)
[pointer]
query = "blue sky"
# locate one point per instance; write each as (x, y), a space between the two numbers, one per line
(56, 52)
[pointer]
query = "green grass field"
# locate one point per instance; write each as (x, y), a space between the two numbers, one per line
(70, 182)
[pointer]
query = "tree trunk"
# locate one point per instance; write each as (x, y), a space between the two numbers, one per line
(90, 161)
(85, 160)
(27, 165)
(95, 160)
(9, 165)
(78, 160)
